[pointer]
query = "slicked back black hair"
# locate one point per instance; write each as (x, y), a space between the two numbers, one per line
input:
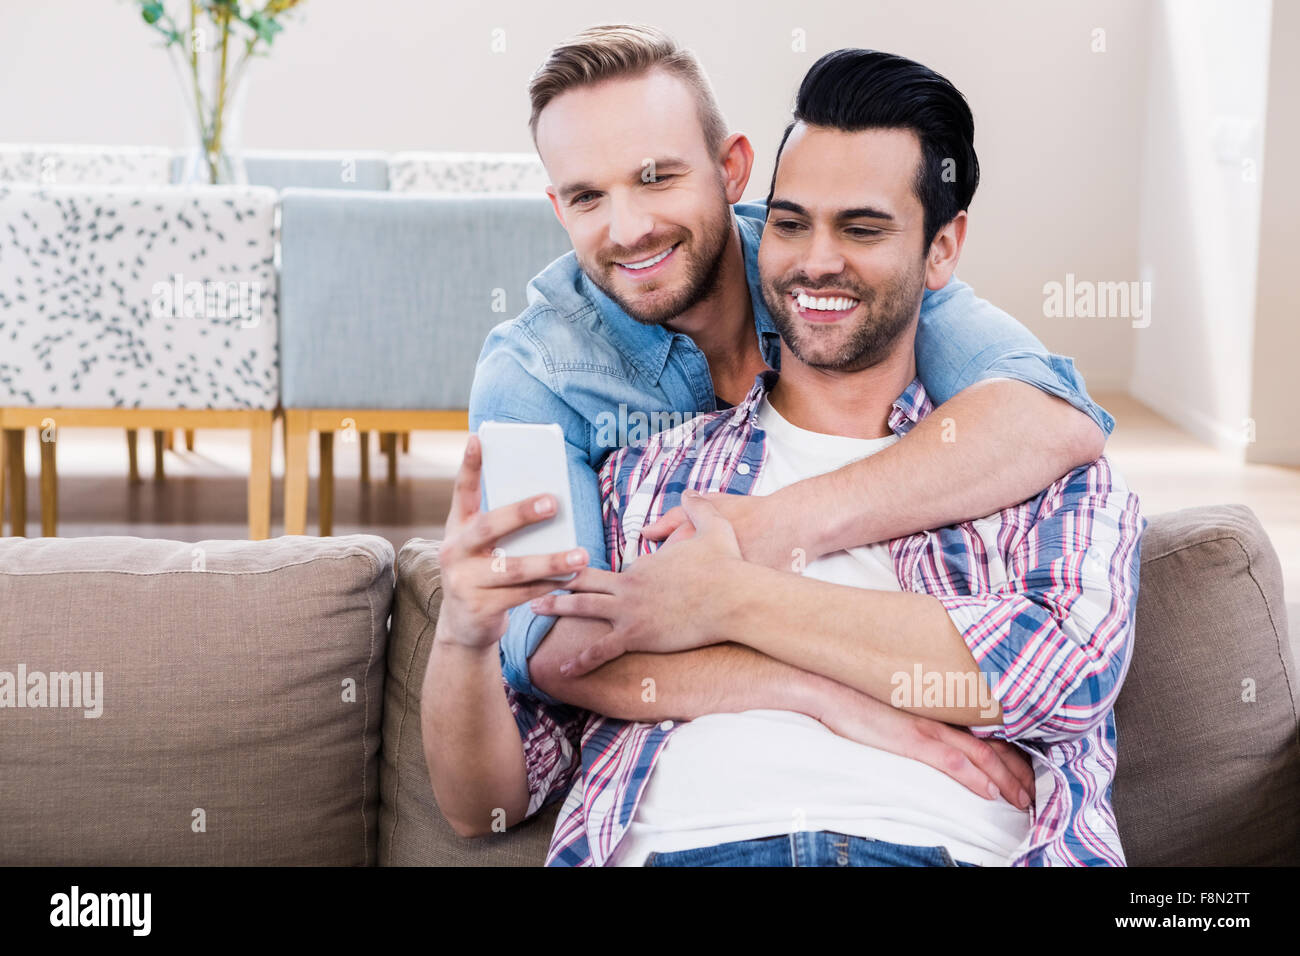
(854, 90)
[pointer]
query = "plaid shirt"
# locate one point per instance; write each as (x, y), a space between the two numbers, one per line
(1050, 613)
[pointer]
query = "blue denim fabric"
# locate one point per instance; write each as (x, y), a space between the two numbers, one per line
(808, 848)
(575, 358)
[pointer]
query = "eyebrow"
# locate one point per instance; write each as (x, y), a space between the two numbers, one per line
(667, 162)
(859, 212)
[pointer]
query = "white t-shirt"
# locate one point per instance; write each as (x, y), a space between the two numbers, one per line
(728, 777)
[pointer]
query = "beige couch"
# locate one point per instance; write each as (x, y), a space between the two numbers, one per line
(258, 706)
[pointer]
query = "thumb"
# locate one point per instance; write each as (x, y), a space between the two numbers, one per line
(704, 515)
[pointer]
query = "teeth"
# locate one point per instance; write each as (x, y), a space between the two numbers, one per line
(647, 263)
(825, 304)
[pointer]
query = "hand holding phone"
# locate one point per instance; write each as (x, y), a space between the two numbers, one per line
(521, 460)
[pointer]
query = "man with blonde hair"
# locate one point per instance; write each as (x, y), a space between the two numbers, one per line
(660, 308)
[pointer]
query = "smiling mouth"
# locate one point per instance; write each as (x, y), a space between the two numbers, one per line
(641, 265)
(822, 308)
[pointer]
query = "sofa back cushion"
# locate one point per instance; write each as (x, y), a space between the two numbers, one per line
(412, 832)
(233, 712)
(1206, 724)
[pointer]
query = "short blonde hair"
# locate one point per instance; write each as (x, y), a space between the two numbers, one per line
(623, 50)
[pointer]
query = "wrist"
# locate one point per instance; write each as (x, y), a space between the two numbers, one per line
(816, 696)
(727, 616)
(446, 641)
(815, 522)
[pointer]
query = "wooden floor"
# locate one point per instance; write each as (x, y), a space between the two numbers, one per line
(204, 494)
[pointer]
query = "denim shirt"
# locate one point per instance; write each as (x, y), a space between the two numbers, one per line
(574, 357)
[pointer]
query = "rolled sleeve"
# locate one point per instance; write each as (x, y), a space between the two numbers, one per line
(962, 339)
(1056, 641)
(506, 390)
(552, 739)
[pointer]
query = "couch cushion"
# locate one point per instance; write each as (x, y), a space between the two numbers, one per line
(1207, 776)
(239, 708)
(412, 832)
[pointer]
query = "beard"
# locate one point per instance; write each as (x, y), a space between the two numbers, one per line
(701, 254)
(888, 310)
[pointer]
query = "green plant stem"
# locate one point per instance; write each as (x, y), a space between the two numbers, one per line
(198, 94)
(221, 94)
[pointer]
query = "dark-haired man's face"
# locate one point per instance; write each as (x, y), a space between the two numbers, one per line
(842, 257)
(638, 191)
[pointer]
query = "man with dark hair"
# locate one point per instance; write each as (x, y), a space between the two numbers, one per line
(1017, 625)
(854, 89)
(657, 315)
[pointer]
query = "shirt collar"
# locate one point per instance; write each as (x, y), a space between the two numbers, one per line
(647, 346)
(908, 409)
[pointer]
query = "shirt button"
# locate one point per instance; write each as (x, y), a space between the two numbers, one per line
(742, 469)
(666, 725)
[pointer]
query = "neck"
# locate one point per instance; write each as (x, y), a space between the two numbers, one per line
(850, 404)
(722, 323)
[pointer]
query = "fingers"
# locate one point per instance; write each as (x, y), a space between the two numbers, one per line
(465, 494)
(600, 606)
(685, 531)
(505, 598)
(504, 572)
(666, 524)
(951, 760)
(1017, 763)
(707, 519)
(594, 655)
(488, 527)
(595, 579)
(989, 761)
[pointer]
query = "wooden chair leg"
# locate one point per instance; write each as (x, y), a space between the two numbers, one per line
(133, 456)
(295, 472)
(189, 439)
(259, 477)
(325, 485)
(388, 444)
(406, 443)
(169, 439)
(159, 443)
(4, 479)
(17, 468)
(365, 458)
(49, 486)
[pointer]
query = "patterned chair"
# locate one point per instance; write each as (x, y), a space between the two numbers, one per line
(307, 169)
(466, 173)
(58, 165)
(128, 306)
(38, 164)
(385, 303)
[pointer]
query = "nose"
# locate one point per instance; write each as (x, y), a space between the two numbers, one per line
(629, 221)
(822, 255)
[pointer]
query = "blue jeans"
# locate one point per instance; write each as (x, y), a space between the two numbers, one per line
(808, 848)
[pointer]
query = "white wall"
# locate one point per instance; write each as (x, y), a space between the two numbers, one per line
(1200, 214)
(1274, 403)
(1057, 125)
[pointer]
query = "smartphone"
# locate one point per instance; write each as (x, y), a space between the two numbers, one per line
(519, 461)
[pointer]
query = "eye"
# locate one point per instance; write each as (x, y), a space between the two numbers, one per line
(578, 199)
(788, 226)
(656, 180)
(861, 232)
